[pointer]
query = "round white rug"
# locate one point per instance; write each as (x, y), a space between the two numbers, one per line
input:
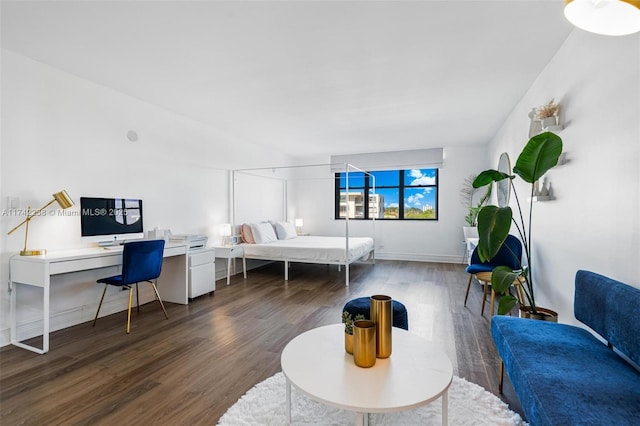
(264, 404)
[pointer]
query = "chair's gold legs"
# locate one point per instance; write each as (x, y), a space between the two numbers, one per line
(501, 377)
(484, 295)
(466, 295)
(159, 300)
(137, 299)
(129, 310)
(99, 305)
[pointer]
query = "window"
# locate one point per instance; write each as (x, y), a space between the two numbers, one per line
(391, 194)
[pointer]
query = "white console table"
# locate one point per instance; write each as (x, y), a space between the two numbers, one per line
(36, 271)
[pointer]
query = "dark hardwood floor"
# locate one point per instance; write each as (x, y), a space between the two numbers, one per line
(191, 368)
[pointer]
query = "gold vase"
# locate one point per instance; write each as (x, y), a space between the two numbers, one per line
(348, 343)
(382, 314)
(364, 343)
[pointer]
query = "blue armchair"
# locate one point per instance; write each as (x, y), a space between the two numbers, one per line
(509, 255)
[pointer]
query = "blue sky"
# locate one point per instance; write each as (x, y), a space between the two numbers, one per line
(414, 197)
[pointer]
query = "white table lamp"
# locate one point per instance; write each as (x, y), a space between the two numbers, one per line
(225, 232)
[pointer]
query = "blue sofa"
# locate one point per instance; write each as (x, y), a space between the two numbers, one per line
(563, 374)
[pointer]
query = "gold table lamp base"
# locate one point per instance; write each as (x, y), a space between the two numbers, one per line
(36, 252)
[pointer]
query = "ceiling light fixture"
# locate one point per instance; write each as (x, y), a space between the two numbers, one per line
(606, 17)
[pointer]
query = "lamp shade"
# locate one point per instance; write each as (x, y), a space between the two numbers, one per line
(606, 17)
(63, 199)
(299, 222)
(225, 229)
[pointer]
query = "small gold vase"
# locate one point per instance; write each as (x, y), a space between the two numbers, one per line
(348, 343)
(364, 343)
(382, 314)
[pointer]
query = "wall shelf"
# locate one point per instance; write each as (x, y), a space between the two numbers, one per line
(537, 198)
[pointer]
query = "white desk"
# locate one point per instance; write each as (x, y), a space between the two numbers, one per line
(416, 373)
(36, 271)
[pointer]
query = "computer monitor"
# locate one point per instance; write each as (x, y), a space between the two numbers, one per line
(110, 221)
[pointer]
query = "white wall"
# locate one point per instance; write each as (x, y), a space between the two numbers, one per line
(62, 132)
(431, 241)
(594, 221)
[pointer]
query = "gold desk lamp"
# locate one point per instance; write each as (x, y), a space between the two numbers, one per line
(64, 201)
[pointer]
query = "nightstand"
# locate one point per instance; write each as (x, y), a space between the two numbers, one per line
(231, 252)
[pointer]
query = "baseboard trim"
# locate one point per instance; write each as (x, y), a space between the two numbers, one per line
(416, 257)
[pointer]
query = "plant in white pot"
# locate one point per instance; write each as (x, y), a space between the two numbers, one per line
(538, 156)
(473, 199)
(547, 114)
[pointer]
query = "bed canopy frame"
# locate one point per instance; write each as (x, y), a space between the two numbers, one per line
(271, 173)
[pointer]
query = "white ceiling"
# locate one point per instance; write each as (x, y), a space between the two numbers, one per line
(306, 77)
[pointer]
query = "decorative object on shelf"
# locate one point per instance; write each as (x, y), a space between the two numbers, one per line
(299, 222)
(63, 200)
(605, 17)
(364, 343)
(541, 193)
(348, 330)
(538, 156)
(382, 315)
(549, 116)
(225, 232)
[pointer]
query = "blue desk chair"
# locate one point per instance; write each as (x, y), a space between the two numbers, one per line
(509, 255)
(141, 261)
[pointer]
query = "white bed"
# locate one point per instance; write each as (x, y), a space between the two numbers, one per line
(314, 249)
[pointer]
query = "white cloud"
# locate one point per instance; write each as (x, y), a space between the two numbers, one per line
(415, 199)
(424, 180)
(420, 178)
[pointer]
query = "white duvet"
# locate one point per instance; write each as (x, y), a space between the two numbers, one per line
(311, 249)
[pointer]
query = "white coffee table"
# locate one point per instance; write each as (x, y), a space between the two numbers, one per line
(417, 373)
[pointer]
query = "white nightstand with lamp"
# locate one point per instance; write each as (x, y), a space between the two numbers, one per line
(231, 252)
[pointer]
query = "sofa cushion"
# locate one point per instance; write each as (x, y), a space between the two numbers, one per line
(563, 375)
(612, 309)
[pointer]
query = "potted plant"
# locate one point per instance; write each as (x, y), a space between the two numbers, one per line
(468, 195)
(538, 156)
(348, 330)
(547, 114)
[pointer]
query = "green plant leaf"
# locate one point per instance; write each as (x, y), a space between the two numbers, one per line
(539, 155)
(487, 177)
(506, 303)
(502, 279)
(494, 224)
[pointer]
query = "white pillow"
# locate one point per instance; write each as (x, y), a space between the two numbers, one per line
(263, 233)
(285, 230)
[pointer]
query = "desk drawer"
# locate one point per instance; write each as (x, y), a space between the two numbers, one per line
(65, 266)
(201, 257)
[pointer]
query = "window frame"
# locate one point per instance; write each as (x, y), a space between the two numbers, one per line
(401, 193)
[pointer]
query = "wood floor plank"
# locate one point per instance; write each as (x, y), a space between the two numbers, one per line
(191, 368)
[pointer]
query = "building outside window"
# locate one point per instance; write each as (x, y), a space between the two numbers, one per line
(410, 194)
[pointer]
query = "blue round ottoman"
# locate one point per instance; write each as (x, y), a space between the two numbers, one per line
(362, 305)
